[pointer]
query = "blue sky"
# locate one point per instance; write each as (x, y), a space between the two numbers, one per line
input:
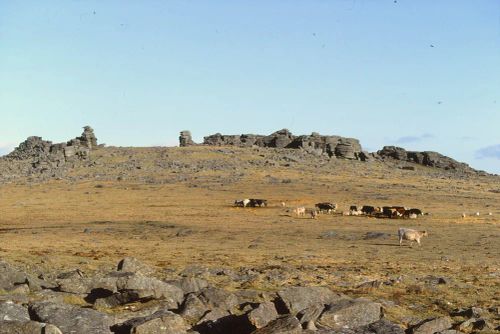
(424, 75)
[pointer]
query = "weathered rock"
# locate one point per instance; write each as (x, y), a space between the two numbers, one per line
(148, 287)
(71, 319)
(262, 315)
(426, 158)
(20, 327)
(471, 312)
(190, 284)
(431, 326)
(384, 326)
(296, 299)
(218, 298)
(311, 313)
(116, 299)
(213, 316)
(133, 265)
(10, 311)
(51, 329)
(10, 276)
(193, 309)
(350, 314)
(474, 325)
(284, 325)
(88, 138)
(185, 139)
(161, 322)
(279, 139)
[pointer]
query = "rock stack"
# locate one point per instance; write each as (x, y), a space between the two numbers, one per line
(88, 139)
(185, 139)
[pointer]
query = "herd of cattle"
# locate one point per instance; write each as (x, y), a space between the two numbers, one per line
(367, 210)
(329, 208)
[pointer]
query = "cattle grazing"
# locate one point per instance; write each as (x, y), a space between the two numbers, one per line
(283, 204)
(326, 207)
(314, 214)
(242, 202)
(412, 212)
(353, 208)
(418, 212)
(300, 211)
(254, 202)
(355, 213)
(368, 209)
(410, 235)
(393, 211)
(388, 211)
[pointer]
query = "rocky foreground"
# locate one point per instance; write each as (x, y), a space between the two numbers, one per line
(132, 299)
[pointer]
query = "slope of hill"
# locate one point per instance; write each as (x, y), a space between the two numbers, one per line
(172, 208)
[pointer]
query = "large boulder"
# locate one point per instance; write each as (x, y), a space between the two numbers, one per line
(10, 311)
(296, 299)
(350, 314)
(71, 319)
(21, 327)
(161, 322)
(431, 326)
(151, 288)
(133, 265)
(262, 315)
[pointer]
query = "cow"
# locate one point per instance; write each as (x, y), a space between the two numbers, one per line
(326, 207)
(410, 235)
(300, 211)
(314, 214)
(368, 209)
(389, 211)
(412, 212)
(393, 211)
(283, 204)
(353, 208)
(255, 202)
(242, 202)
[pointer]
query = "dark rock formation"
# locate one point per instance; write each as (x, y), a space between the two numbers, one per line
(185, 139)
(340, 147)
(426, 158)
(44, 154)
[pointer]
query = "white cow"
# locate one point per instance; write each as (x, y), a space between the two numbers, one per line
(300, 211)
(410, 235)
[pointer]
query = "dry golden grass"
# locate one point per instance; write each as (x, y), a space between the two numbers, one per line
(43, 225)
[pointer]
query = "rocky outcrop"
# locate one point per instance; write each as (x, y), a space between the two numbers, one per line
(425, 158)
(38, 156)
(333, 146)
(185, 139)
(43, 152)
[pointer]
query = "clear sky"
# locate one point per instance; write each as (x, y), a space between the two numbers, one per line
(424, 75)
